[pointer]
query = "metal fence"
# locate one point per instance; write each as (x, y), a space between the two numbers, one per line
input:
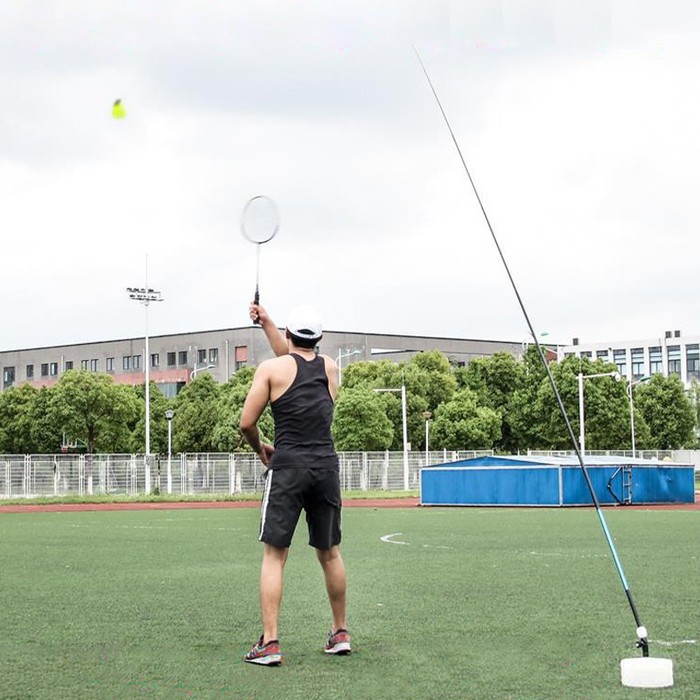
(28, 476)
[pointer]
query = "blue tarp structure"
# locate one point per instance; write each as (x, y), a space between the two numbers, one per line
(556, 481)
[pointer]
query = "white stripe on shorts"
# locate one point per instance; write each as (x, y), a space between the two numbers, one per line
(266, 498)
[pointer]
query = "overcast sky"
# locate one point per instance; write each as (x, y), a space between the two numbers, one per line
(578, 120)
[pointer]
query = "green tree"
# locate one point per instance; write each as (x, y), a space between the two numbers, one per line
(92, 408)
(46, 426)
(16, 419)
(227, 436)
(495, 380)
(360, 421)
(196, 415)
(667, 411)
(159, 404)
(461, 424)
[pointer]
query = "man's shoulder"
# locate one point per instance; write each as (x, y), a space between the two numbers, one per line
(275, 363)
(328, 360)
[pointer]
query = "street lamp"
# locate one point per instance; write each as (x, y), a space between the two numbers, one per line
(340, 357)
(630, 386)
(402, 390)
(169, 415)
(581, 377)
(145, 295)
(195, 369)
(427, 415)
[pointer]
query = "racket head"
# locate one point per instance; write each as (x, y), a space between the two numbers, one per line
(260, 219)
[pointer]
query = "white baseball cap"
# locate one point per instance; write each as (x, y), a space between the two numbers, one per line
(305, 322)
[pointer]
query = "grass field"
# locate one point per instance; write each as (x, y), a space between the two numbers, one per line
(480, 603)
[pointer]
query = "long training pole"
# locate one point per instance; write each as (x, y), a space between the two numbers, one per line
(642, 641)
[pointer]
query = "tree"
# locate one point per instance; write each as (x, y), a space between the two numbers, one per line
(227, 436)
(16, 419)
(495, 380)
(668, 412)
(91, 407)
(360, 421)
(159, 404)
(461, 424)
(196, 415)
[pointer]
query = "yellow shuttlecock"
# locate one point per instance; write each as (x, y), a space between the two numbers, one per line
(118, 111)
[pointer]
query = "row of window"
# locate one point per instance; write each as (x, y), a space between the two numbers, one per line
(655, 366)
(205, 357)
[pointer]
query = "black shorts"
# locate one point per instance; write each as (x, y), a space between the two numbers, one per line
(287, 491)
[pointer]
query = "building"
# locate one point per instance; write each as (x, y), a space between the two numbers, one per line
(671, 353)
(174, 360)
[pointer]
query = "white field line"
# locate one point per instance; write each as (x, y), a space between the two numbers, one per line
(673, 644)
(388, 539)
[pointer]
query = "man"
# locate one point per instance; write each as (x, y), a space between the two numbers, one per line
(300, 387)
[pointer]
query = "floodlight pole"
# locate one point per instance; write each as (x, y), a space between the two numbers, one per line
(145, 295)
(631, 386)
(581, 417)
(402, 390)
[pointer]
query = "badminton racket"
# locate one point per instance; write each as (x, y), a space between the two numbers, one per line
(260, 222)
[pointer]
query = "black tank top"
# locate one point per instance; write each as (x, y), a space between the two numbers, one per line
(303, 417)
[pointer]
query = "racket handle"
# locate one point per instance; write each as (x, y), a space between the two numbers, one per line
(256, 301)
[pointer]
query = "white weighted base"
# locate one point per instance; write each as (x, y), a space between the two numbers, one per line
(647, 672)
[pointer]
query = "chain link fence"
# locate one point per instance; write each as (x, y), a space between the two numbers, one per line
(29, 476)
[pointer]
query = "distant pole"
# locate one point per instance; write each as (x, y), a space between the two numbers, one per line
(169, 415)
(402, 390)
(145, 295)
(340, 357)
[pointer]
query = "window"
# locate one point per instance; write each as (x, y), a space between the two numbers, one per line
(83, 364)
(53, 369)
(44, 369)
(692, 358)
(586, 353)
(94, 365)
(637, 355)
(620, 359)
(201, 357)
(213, 356)
(241, 356)
(656, 360)
(8, 377)
(155, 360)
(30, 371)
(136, 361)
(171, 358)
(674, 359)
(110, 364)
(69, 365)
(126, 362)
(182, 357)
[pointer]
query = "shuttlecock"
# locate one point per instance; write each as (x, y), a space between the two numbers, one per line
(118, 111)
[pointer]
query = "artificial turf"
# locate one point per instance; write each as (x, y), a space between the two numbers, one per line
(478, 603)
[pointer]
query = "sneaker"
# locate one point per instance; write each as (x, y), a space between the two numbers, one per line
(338, 642)
(265, 654)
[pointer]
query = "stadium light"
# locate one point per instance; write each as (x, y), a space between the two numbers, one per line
(145, 295)
(582, 421)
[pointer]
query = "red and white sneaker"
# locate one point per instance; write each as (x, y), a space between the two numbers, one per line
(338, 642)
(265, 654)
